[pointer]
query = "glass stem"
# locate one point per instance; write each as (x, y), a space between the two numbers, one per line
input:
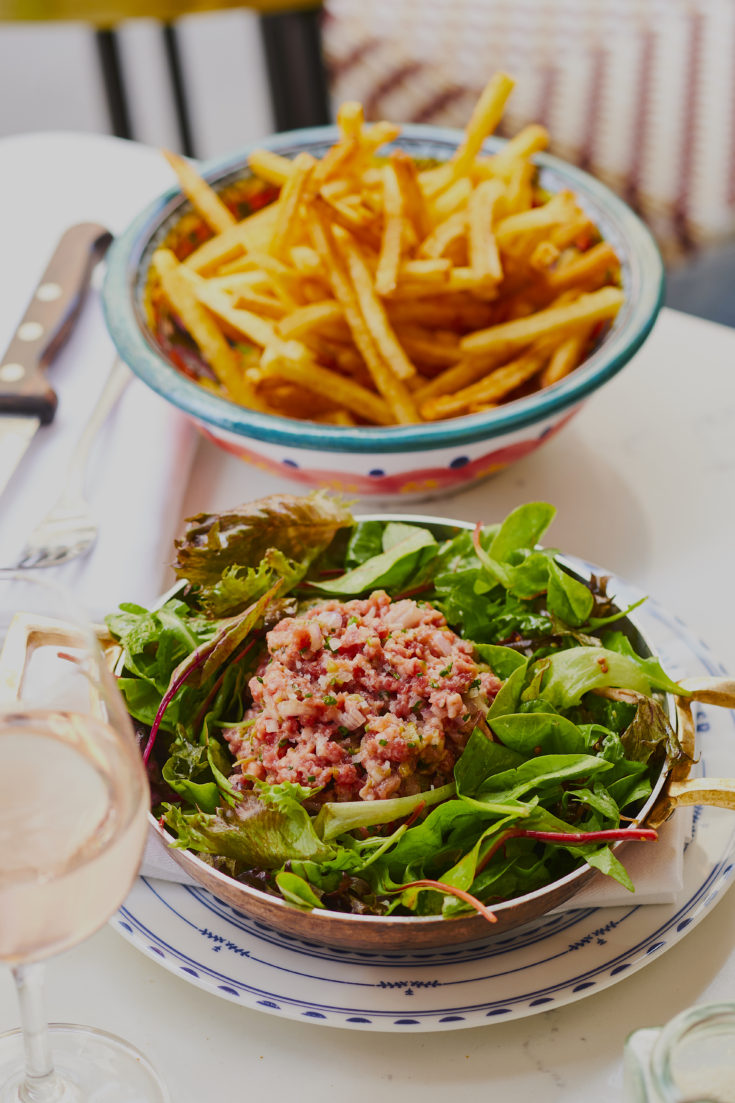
(41, 1084)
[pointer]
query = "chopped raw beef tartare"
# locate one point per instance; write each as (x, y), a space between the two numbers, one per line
(364, 699)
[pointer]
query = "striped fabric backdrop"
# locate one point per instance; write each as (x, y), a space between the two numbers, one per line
(639, 92)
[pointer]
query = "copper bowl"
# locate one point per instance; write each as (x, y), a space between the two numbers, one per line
(368, 932)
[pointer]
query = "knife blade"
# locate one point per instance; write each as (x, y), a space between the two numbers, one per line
(26, 399)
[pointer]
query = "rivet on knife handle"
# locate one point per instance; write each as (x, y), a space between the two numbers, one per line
(48, 321)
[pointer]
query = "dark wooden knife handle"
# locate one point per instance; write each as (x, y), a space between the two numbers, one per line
(48, 321)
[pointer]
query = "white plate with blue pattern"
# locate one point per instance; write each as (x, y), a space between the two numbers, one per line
(556, 960)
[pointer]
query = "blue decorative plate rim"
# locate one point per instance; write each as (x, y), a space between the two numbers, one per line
(608, 943)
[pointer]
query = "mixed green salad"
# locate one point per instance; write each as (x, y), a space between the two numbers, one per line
(556, 770)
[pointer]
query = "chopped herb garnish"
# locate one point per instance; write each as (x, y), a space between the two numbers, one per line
(329, 700)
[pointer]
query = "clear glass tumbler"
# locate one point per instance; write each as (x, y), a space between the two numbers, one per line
(690, 1060)
(73, 816)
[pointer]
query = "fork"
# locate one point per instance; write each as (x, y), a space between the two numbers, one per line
(69, 529)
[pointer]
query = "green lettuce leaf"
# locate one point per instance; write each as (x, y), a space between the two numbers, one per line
(337, 817)
(299, 527)
(249, 832)
(365, 542)
(535, 733)
(239, 586)
(392, 569)
(523, 528)
(567, 597)
(649, 733)
(297, 891)
(567, 675)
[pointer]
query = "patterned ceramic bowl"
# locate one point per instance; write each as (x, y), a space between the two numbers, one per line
(369, 932)
(402, 462)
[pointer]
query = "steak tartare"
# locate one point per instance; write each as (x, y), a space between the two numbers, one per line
(363, 699)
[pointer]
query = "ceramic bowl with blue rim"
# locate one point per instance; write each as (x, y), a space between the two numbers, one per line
(407, 462)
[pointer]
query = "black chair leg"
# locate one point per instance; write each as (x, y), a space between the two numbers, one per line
(176, 73)
(296, 72)
(117, 104)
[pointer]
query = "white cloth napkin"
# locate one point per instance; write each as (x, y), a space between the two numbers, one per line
(656, 869)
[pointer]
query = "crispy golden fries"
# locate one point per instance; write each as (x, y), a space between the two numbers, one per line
(202, 197)
(377, 290)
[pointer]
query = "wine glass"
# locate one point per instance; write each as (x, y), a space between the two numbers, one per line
(73, 816)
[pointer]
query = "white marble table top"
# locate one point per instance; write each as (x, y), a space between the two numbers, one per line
(644, 483)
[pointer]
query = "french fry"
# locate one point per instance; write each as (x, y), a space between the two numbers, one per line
(435, 180)
(363, 227)
(306, 260)
(289, 202)
(377, 135)
(528, 141)
(312, 317)
(326, 384)
(270, 166)
(253, 280)
(455, 378)
(453, 229)
(262, 305)
(565, 357)
(455, 311)
(336, 189)
(432, 270)
(570, 232)
(481, 244)
(391, 388)
(592, 265)
(337, 417)
(177, 286)
(425, 350)
(245, 322)
(495, 386)
(375, 317)
(205, 199)
(536, 218)
(350, 118)
(543, 256)
(518, 195)
(284, 280)
(333, 160)
(414, 203)
(484, 119)
(252, 233)
(386, 276)
(593, 307)
(455, 198)
(462, 278)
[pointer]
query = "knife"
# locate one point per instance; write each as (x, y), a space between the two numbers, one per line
(26, 399)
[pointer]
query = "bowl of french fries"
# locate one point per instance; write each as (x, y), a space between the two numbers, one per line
(388, 311)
